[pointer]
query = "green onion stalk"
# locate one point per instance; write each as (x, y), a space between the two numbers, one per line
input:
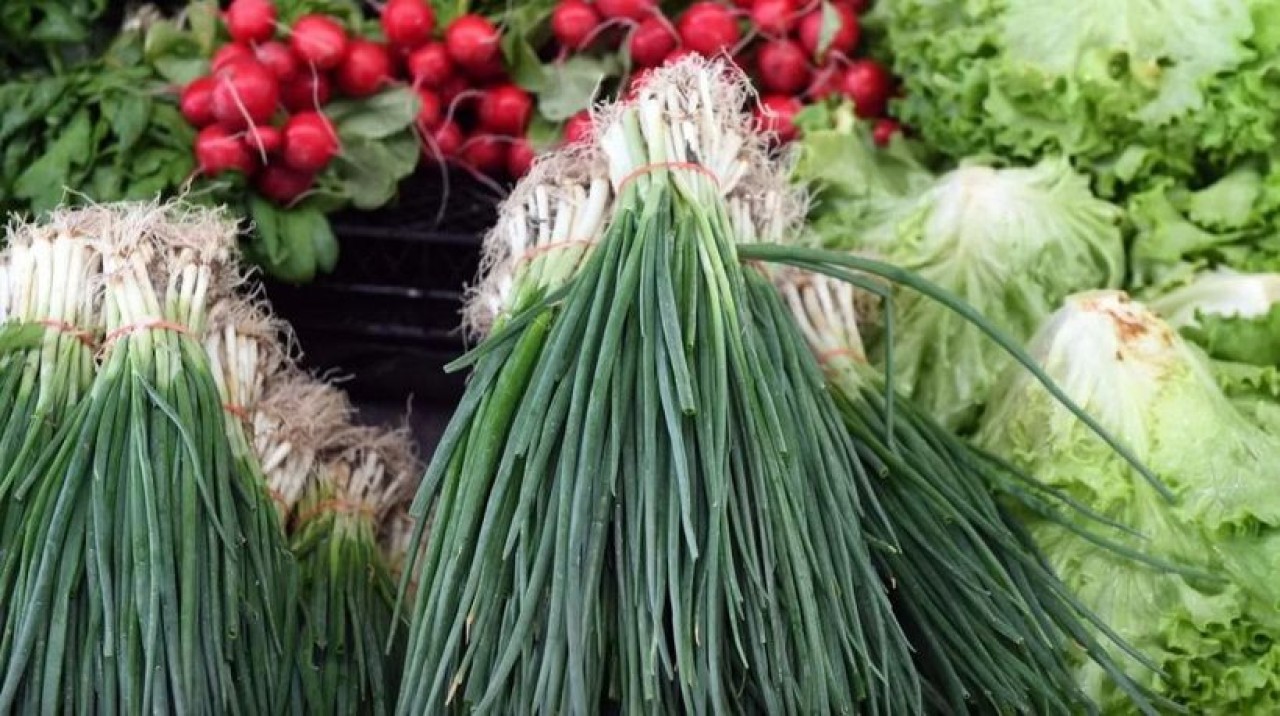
(50, 324)
(992, 624)
(626, 509)
(137, 583)
(395, 537)
(348, 596)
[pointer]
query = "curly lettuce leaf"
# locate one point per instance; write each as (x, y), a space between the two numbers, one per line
(1231, 222)
(1212, 627)
(853, 183)
(1131, 89)
(1232, 316)
(1012, 243)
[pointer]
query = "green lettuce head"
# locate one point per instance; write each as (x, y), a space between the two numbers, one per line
(1212, 628)
(1129, 88)
(1012, 243)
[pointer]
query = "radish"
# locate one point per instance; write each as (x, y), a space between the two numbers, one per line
(277, 57)
(364, 70)
(430, 66)
(196, 102)
(520, 157)
(783, 67)
(858, 6)
(869, 85)
(634, 10)
(448, 140)
(776, 114)
(651, 42)
(431, 111)
(826, 83)
(282, 184)
(218, 150)
(579, 128)
(230, 53)
(251, 20)
(506, 110)
(842, 42)
(265, 138)
(485, 153)
(573, 22)
(309, 142)
(453, 88)
(306, 91)
(884, 130)
(244, 93)
(708, 28)
(319, 40)
(408, 23)
(490, 72)
(774, 17)
(472, 42)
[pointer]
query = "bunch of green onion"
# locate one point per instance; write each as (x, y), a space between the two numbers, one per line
(294, 424)
(992, 624)
(652, 497)
(626, 508)
(47, 285)
(348, 596)
(136, 578)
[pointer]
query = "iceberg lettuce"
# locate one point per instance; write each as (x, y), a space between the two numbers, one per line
(1212, 627)
(1011, 242)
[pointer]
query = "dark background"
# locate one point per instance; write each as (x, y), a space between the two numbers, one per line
(387, 319)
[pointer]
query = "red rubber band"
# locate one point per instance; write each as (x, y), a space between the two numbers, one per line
(537, 251)
(827, 356)
(238, 411)
(337, 506)
(83, 336)
(156, 324)
(691, 166)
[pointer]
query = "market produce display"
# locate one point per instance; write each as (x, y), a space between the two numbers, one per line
(147, 435)
(773, 404)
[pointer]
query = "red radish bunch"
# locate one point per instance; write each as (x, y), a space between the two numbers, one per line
(471, 113)
(798, 51)
(260, 110)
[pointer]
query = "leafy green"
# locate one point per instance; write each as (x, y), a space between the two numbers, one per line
(1010, 242)
(1131, 89)
(1210, 626)
(1234, 317)
(1229, 222)
(376, 117)
(292, 244)
(854, 183)
(41, 35)
(573, 85)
